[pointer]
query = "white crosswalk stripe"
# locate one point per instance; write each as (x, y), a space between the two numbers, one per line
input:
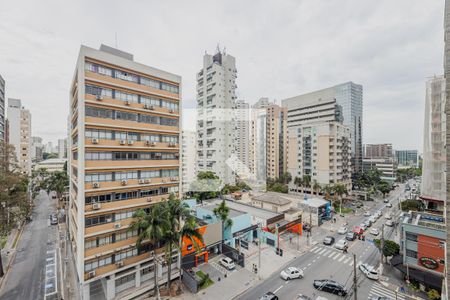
(379, 290)
(342, 258)
(323, 250)
(327, 252)
(336, 256)
(331, 254)
(347, 260)
(315, 249)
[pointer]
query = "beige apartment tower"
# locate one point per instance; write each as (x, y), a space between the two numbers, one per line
(124, 156)
(276, 141)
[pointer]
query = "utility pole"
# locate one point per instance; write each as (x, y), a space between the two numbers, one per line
(310, 227)
(355, 279)
(382, 248)
(259, 249)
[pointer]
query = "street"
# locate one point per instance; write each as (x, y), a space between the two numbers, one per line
(325, 262)
(26, 278)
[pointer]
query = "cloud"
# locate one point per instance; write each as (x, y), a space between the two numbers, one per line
(282, 49)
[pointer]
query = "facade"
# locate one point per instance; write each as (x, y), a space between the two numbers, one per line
(378, 151)
(188, 152)
(387, 167)
(37, 149)
(258, 140)
(272, 201)
(342, 103)
(2, 109)
(19, 131)
(48, 148)
(320, 150)
(51, 165)
(62, 148)
(447, 122)
(433, 187)
(242, 138)
(407, 158)
(124, 156)
(276, 141)
(216, 126)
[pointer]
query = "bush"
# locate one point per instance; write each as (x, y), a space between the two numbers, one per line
(391, 248)
(433, 294)
(408, 205)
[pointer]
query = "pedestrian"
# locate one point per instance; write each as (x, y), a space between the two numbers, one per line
(402, 288)
(290, 240)
(334, 220)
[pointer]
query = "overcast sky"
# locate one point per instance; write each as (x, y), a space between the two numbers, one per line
(282, 49)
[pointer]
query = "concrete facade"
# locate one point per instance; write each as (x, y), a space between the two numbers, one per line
(37, 149)
(378, 151)
(242, 138)
(189, 163)
(276, 141)
(62, 148)
(387, 167)
(258, 140)
(2, 109)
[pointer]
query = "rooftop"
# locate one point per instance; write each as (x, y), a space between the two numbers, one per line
(420, 218)
(314, 202)
(253, 211)
(272, 198)
(233, 212)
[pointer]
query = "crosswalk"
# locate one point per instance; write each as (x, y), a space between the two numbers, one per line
(336, 255)
(382, 291)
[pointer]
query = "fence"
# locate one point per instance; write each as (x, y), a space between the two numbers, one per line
(233, 254)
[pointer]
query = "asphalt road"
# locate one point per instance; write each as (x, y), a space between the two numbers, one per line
(25, 280)
(324, 262)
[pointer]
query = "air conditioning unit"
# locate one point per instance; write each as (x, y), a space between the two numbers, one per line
(94, 141)
(127, 103)
(172, 144)
(96, 185)
(176, 154)
(124, 182)
(119, 264)
(171, 111)
(117, 226)
(148, 143)
(122, 142)
(163, 180)
(96, 206)
(91, 274)
(141, 181)
(130, 142)
(149, 199)
(99, 97)
(174, 178)
(158, 154)
(147, 181)
(151, 107)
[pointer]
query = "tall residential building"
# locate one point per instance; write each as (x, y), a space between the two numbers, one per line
(242, 138)
(216, 126)
(124, 156)
(37, 149)
(2, 109)
(62, 148)
(378, 151)
(48, 148)
(19, 131)
(277, 142)
(447, 115)
(321, 150)
(342, 103)
(189, 165)
(407, 158)
(434, 152)
(257, 144)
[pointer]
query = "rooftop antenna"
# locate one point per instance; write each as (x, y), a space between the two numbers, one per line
(117, 44)
(218, 47)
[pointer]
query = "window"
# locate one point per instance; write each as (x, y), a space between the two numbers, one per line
(150, 174)
(98, 156)
(94, 264)
(150, 138)
(126, 97)
(411, 237)
(125, 155)
(173, 189)
(98, 134)
(126, 76)
(150, 101)
(124, 215)
(125, 279)
(98, 112)
(98, 69)
(169, 122)
(169, 173)
(126, 235)
(150, 82)
(126, 175)
(97, 91)
(97, 177)
(169, 139)
(170, 105)
(97, 220)
(169, 87)
(126, 254)
(97, 199)
(411, 253)
(149, 119)
(126, 195)
(121, 135)
(122, 115)
(105, 240)
(90, 244)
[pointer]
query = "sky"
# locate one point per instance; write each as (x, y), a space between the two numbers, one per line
(282, 49)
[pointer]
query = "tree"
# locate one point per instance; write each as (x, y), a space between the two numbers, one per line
(316, 187)
(298, 181)
(285, 178)
(384, 187)
(207, 186)
(391, 248)
(58, 182)
(327, 189)
(222, 212)
(340, 190)
(150, 226)
(306, 179)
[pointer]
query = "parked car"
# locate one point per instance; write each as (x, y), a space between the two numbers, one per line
(369, 271)
(330, 286)
(363, 226)
(53, 219)
(303, 297)
(373, 218)
(389, 223)
(389, 204)
(358, 230)
(379, 298)
(359, 205)
(227, 263)
(341, 244)
(291, 273)
(375, 231)
(268, 296)
(351, 236)
(367, 214)
(306, 227)
(378, 214)
(329, 240)
(368, 223)
(386, 200)
(388, 216)
(342, 230)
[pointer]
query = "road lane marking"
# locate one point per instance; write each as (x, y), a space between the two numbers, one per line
(351, 263)
(340, 259)
(331, 254)
(334, 258)
(347, 260)
(314, 249)
(309, 264)
(322, 251)
(326, 253)
(278, 289)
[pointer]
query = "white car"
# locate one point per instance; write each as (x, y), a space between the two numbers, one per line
(375, 231)
(388, 216)
(341, 244)
(227, 263)
(342, 230)
(389, 204)
(367, 214)
(389, 223)
(363, 226)
(369, 271)
(373, 219)
(291, 273)
(378, 214)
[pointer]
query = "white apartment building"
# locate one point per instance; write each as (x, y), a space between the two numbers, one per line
(258, 140)
(19, 133)
(321, 150)
(433, 187)
(189, 163)
(242, 138)
(216, 126)
(37, 149)
(62, 148)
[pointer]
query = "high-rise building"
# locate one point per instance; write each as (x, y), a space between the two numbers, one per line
(19, 122)
(447, 114)
(434, 152)
(276, 141)
(37, 149)
(62, 148)
(242, 138)
(258, 141)
(124, 156)
(2, 109)
(342, 103)
(188, 160)
(322, 151)
(48, 148)
(407, 158)
(216, 126)
(378, 151)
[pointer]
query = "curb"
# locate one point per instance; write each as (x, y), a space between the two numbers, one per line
(8, 267)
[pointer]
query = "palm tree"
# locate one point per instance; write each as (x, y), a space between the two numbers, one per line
(316, 187)
(298, 181)
(306, 182)
(150, 226)
(222, 212)
(339, 191)
(327, 189)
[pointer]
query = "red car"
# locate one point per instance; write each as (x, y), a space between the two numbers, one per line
(358, 230)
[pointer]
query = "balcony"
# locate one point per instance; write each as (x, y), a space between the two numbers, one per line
(108, 248)
(131, 125)
(118, 184)
(129, 144)
(127, 164)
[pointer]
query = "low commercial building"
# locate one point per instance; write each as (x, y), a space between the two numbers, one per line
(387, 167)
(51, 165)
(272, 201)
(315, 210)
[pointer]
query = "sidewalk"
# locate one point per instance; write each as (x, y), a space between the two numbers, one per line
(67, 271)
(9, 251)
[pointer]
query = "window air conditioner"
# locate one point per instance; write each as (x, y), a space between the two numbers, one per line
(96, 185)
(94, 141)
(96, 206)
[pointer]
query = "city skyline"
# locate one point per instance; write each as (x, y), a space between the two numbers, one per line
(393, 73)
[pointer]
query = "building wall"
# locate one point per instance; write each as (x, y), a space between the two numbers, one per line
(62, 148)
(242, 138)
(2, 109)
(189, 163)
(258, 140)
(387, 167)
(447, 121)
(378, 151)
(407, 158)
(277, 141)
(109, 80)
(216, 124)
